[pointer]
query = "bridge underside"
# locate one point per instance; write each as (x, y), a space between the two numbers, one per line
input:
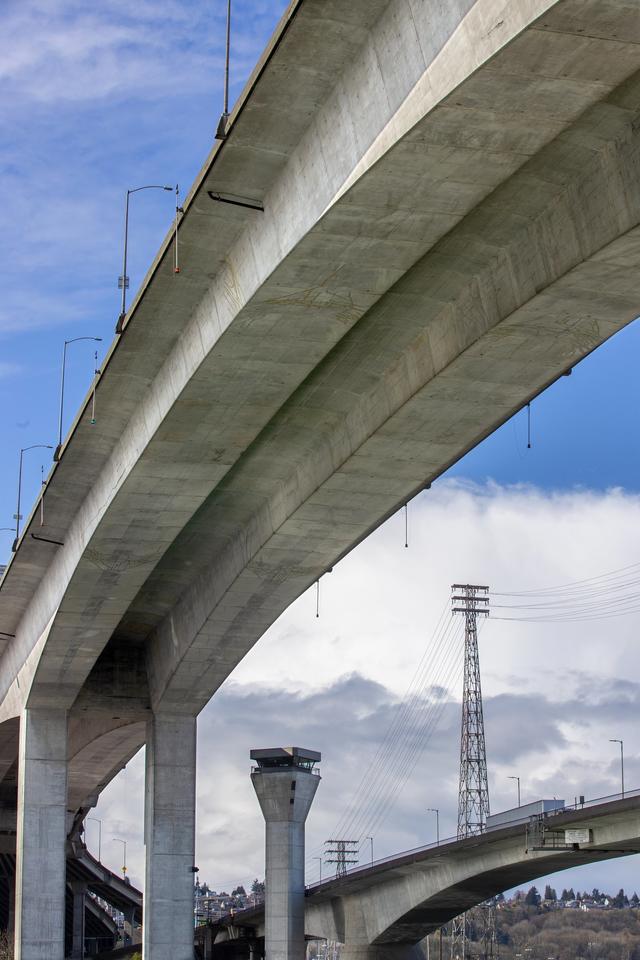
(443, 218)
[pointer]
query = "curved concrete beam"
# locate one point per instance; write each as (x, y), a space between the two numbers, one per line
(507, 302)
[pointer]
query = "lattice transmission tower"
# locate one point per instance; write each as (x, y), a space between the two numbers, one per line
(341, 852)
(473, 796)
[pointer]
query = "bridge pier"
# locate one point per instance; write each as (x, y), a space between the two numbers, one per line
(170, 799)
(41, 835)
(285, 784)
(79, 891)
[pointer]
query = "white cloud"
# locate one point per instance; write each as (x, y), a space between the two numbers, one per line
(73, 52)
(554, 693)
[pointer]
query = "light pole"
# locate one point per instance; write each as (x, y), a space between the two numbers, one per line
(518, 779)
(123, 281)
(17, 516)
(621, 742)
(124, 863)
(319, 859)
(437, 813)
(370, 839)
(56, 453)
(221, 132)
(99, 822)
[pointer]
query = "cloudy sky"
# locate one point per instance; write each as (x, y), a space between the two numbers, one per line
(102, 97)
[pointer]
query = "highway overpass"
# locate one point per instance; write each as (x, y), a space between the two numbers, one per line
(383, 911)
(423, 214)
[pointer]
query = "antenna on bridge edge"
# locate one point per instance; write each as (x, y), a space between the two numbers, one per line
(473, 794)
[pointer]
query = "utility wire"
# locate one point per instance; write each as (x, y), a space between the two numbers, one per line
(411, 728)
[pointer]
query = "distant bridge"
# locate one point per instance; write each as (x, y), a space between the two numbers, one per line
(383, 911)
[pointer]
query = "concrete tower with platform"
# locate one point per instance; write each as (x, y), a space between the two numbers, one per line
(285, 782)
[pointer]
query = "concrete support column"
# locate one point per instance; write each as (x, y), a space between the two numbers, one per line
(170, 801)
(79, 891)
(41, 835)
(286, 786)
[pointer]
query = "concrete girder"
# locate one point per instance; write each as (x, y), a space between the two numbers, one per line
(500, 308)
(115, 541)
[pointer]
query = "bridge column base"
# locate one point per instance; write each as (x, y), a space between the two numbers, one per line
(41, 835)
(170, 796)
(382, 951)
(79, 891)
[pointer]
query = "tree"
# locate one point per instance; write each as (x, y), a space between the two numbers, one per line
(257, 888)
(568, 895)
(635, 900)
(549, 893)
(532, 898)
(239, 892)
(620, 900)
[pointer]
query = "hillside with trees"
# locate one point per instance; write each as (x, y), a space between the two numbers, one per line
(571, 926)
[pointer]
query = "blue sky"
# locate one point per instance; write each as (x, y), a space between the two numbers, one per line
(98, 98)
(101, 98)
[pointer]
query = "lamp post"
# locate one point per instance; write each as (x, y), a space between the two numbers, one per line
(123, 281)
(221, 132)
(18, 516)
(621, 742)
(437, 813)
(56, 453)
(124, 862)
(518, 779)
(370, 839)
(99, 822)
(319, 859)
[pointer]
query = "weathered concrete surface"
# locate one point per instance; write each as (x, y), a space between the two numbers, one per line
(285, 797)
(451, 211)
(41, 836)
(383, 911)
(169, 836)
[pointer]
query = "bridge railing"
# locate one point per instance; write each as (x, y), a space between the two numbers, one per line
(414, 851)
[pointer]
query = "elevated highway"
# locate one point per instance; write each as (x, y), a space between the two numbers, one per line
(383, 911)
(423, 214)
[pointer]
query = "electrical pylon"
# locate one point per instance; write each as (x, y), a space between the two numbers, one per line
(473, 796)
(342, 853)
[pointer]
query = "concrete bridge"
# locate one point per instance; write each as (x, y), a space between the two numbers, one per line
(383, 911)
(422, 215)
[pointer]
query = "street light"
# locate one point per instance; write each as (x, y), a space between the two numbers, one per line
(124, 863)
(99, 822)
(56, 453)
(621, 742)
(371, 841)
(221, 132)
(319, 859)
(437, 813)
(518, 779)
(17, 516)
(123, 281)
